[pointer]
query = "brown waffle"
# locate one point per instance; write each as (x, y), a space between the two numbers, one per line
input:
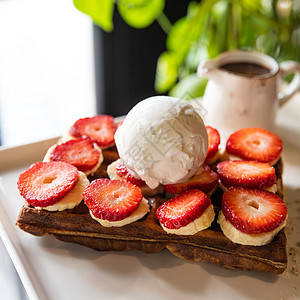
(210, 245)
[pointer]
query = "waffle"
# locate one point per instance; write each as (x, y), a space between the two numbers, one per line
(210, 245)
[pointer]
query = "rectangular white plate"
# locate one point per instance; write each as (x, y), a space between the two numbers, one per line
(50, 269)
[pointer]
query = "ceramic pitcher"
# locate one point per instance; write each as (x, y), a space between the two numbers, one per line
(235, 100)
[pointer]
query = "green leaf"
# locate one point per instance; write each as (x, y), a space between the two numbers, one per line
(197, 54)
(140, 13)
(190, 87)
(252, 4)
(166, 72)
(192, 9)
(186, 30)
(100, 11)
(181, 37)
(219, 14)
(267, 43)
(177, 37)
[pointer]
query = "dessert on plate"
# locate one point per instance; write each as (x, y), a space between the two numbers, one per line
(100, 129)
(84, 154)
(254, 144)
(248, 174)
(186, 214)
(163, 140)
(165, 185)
(115, 202)
(251, 216)
(52, 186)
(214, 140)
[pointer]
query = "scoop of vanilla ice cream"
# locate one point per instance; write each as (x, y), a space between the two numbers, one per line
(163, 140)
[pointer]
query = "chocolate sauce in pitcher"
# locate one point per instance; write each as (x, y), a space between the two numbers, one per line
(246, 69)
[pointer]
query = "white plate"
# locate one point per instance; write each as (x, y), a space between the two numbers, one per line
(50, 269)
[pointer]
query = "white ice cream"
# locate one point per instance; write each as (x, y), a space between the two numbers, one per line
(163, 140)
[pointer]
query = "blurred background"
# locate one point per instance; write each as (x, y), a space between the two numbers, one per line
(61, 60)
(154, 46)
(46, 68)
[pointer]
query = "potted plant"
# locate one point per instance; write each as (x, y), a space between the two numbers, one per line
(206, 29)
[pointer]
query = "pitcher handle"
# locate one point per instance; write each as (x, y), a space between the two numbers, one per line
(286, 68)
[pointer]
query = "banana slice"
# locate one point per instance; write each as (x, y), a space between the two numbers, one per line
(139, 213)
(243, 238)
(201, 223)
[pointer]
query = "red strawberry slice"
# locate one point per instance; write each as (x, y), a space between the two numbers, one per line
(252, 210)
(213, 142)
(100, 129)
(254, 144)
(183, 209)
(250, 174)
(46, 183)
(128, 175)
(112, 200)
(81, 153)
(206, 181)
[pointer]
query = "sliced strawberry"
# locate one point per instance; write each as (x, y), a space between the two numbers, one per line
(254, 144)
(46, 183)
(250, 174)
(213, 142)
(100, 129)
(253, 210)
(81, 153)
(206, 181)
(183, 209)
(112, 200)
(128, 175)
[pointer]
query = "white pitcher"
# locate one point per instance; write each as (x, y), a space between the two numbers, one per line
(233, 101)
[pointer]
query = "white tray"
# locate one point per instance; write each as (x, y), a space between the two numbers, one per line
(50, 269)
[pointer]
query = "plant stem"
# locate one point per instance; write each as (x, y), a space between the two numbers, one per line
(164, 23)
